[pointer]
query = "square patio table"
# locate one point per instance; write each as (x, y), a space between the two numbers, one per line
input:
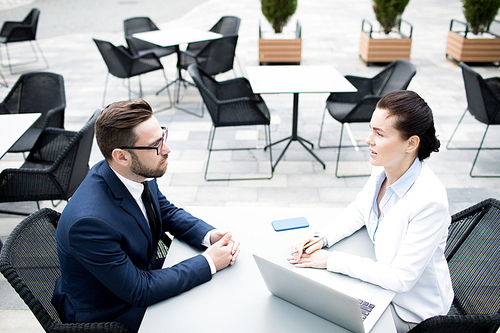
(295, 80)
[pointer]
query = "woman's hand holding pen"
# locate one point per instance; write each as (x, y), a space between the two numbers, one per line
(305, 253)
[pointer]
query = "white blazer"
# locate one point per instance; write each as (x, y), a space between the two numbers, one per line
(409, 247)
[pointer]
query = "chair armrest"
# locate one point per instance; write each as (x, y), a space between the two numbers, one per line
(194, 49)
(237, 87)
(8, 26)
(18, 33)
(132, 56)
(51, 115)
(189, 54)
(362, 84)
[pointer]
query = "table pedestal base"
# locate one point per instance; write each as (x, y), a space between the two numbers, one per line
(295, 136)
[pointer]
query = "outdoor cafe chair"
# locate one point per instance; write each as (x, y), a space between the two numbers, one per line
(217, 56)
(138, 46)
(358, 107)
(473, 255)
(54, 168)
(226, 26)
(29, 262)
(37, 92)
(122, 64)
(206, 52)
(483, 103)
(22, 31)
(231, 103)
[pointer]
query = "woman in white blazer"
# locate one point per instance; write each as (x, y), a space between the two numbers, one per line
(404, 207)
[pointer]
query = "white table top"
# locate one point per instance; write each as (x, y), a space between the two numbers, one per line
(12, 127)
(236, 299)
(297, 79)
(179, 36)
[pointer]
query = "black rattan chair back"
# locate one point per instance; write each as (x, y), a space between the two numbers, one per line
(40, 92)
(54, 169)
(483, 97)
(218, 56)
(473, 254)
(227, 25)
(138, 24)
(137, 46)
(396, 76)
(30, 264)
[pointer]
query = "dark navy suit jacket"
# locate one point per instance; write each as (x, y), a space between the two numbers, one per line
(107, 255)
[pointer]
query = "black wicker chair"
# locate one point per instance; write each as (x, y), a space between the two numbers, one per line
(217, 56)
(473, 254)
(36, 93)
(22, 31)
(214, 57)
(226, 26)
(358, 107)
(231, 103)
(53, 170)
(139, 47)
(121, 63)
(29, 262)
(483, 102)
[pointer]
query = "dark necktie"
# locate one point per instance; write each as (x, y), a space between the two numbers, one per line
(153, 223)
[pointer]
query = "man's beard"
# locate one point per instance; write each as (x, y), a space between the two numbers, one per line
(141, 170)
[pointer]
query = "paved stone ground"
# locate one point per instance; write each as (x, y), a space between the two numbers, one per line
(330, 36)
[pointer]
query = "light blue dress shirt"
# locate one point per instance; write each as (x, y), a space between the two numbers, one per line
(393, 194)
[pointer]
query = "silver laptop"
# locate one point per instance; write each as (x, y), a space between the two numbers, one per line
(357, 306)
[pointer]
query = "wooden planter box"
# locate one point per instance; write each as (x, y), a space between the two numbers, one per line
(461, 48)
(383, 49)
(286, 51)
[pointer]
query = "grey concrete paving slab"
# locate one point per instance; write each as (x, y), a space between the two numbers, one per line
(331, 31)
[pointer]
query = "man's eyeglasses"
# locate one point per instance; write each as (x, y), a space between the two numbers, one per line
(158, 146)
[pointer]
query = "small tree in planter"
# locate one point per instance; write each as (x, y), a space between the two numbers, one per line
(278, 12)
(483, 46)
(388, 13)
(279, 48)
(480, 13)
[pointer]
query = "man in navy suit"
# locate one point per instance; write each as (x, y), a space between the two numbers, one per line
(107, 240)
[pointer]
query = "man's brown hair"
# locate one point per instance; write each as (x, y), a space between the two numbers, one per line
(115, 125)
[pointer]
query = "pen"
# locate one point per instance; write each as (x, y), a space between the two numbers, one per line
(309, 244)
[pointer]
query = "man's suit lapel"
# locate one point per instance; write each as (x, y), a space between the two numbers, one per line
(127, 202)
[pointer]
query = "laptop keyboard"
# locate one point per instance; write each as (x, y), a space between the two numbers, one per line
(366, 308)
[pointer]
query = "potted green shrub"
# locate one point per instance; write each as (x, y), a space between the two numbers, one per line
(473, 41)
(276, 46)
(390, 43)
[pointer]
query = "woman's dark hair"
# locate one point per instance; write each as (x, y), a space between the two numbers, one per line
(115, 125)
(413, 117)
